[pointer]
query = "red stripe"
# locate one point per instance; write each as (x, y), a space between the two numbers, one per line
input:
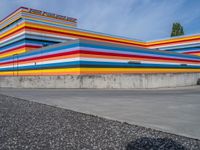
(116, 41)
(12, 33)
(83, 36)
(132, 55)
(97, 53)
(76, 35)
(42, 57)
(192, 52)
(176, 42)
(24, 46)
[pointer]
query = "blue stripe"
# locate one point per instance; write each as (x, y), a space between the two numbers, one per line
(182, 50)
(25, 41)
(145, 51)
(120, 64)
(35, 67)
(97, 64)
(40, 52)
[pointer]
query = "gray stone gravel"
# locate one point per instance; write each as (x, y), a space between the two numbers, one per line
(33, 126)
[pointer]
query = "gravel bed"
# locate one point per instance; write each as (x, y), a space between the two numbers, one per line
(33, 126)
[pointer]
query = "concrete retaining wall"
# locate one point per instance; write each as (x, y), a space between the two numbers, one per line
(102, 81)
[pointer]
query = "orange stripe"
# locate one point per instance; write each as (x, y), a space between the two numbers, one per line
(132, 58)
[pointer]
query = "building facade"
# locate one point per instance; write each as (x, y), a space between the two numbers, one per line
(34, 42)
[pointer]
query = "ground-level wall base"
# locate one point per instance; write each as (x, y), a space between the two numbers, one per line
(102, 81)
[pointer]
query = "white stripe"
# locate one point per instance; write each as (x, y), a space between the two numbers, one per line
(92, 60)
(44, 62)
(12, 37)
(175, 44)
(50, 35)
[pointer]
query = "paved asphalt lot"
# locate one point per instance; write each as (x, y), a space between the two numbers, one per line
(26, 125)
(172, 110)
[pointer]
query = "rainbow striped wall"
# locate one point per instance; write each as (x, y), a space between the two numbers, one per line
(183, 44)
(38, 31)
(89, 57)
(39, 44)
(15, 37)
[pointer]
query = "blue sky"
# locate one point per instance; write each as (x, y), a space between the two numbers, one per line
(138, 19)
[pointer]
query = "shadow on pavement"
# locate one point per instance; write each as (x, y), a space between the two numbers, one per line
(146, 143)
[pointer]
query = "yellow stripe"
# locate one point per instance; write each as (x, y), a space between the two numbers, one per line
(96, 35)
(12, 30)
(96, 70)
(197, 54)
(10, 22)
(79, 33)
(41, 72)
(19, 51)
(67, 31)
(174, 40)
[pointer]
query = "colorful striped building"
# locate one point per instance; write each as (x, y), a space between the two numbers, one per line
(34, 42)
(184, 44)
